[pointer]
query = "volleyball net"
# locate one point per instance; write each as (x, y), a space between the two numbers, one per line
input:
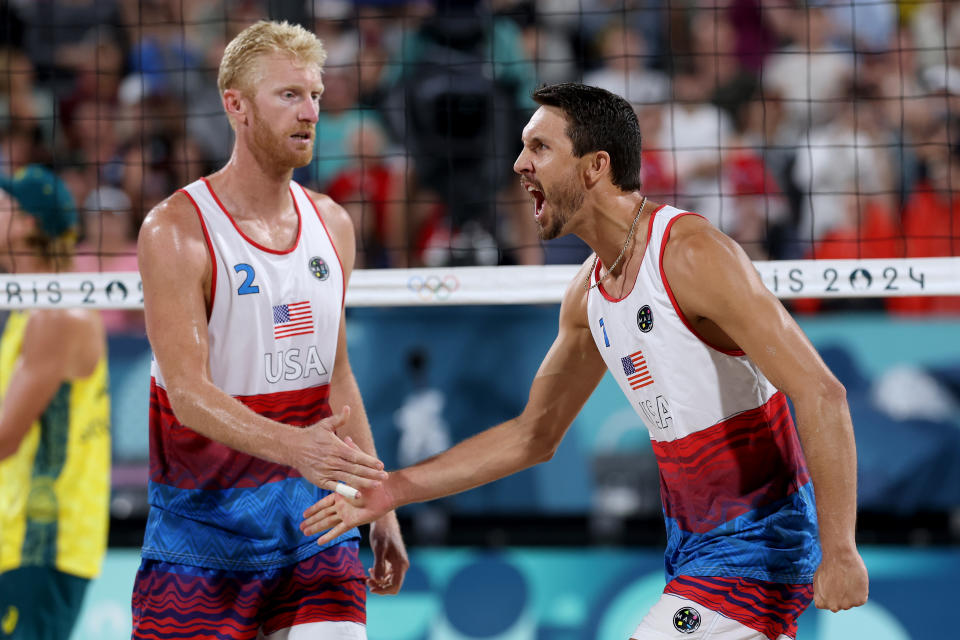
(821, 136)
(411, 287)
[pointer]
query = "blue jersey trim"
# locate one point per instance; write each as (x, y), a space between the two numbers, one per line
(777, 543)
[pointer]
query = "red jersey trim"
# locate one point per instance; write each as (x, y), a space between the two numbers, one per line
(343, 299)
(254, 243)
(213, 257)
(676, 307)
(596, 273)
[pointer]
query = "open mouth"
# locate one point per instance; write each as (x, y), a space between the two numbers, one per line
(303, 135)
(538, 198)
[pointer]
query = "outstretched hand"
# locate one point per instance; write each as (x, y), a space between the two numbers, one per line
(340, 514)
(324, 459)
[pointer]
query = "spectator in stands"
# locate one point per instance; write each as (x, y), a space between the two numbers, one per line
(371, 187)
(753, 204)
(456, 112)
(55, 32)
(754, 34)
(109, 244)
(54, 425)
(715, 63)
(548, 33)
(931, 217)
(758, 123)
(843, 157)
(159, 52)
(98, 71)
(17, 99)
(908, 109)
(109, 232)
(624, 71)
(19, 146)
(937, 26)
(340, 115)
(810, 98)
(864, 25)
(698, 132)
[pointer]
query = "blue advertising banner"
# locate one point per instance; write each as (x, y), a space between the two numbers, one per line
(431, 377)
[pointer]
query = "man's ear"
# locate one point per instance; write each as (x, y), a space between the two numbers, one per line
(597, 167)
(235, 106)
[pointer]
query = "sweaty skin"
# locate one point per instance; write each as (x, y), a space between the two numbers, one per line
(722, 297)
(274, 133)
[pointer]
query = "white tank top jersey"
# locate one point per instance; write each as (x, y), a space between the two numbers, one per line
(283, 307)
(736, 494)
(273, 330)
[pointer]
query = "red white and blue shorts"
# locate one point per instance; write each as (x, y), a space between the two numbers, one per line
(713, 608)
(323, 596)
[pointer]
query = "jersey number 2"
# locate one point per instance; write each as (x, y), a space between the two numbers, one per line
(247, 286)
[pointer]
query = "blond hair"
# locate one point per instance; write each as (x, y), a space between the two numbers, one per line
(56, 253)
(239, 61)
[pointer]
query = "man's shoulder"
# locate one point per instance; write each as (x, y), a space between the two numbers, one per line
(573, 307)
(325, 205)
(54, 328)
(178, 210)
(690, 231)
(172, 235)
(335, 217)
(175, 214)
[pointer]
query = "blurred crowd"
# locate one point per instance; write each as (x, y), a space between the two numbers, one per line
(817, 128)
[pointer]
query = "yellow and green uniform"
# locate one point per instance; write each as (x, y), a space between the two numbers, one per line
(54, 491)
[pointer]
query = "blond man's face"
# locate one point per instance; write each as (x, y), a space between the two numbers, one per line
(285, 103)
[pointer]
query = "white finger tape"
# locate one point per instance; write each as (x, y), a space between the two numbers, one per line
(347, 491)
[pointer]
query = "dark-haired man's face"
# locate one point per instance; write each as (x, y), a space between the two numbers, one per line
(548, 171)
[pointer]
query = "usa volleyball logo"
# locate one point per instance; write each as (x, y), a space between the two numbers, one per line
(686, 620)
(645, 318)
(319, 268)
(292, 319)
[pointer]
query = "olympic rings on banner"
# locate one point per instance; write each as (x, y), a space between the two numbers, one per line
(433, 287)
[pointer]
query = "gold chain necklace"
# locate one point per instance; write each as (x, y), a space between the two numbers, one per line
(587, 285)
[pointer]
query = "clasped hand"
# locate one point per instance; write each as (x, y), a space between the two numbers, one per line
(324, 459)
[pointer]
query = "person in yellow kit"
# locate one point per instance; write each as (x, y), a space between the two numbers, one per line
(54, 424)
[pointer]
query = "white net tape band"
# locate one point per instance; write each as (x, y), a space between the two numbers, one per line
(510, 285)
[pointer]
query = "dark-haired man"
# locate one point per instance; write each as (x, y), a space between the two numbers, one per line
(706, 355)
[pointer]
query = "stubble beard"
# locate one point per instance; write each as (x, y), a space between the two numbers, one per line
(271, 147)
(566, 203)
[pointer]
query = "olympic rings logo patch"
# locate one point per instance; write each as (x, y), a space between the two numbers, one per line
(433, 287)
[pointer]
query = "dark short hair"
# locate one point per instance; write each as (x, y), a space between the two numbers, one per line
(599, 121)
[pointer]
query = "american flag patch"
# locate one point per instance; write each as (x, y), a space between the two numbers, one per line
(293, 319)
(635, 368)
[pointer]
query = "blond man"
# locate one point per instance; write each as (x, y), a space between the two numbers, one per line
(254, 410)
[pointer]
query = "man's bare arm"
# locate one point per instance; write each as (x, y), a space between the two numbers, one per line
(176, 271)
(390, 555)
(569, 373)
(722, 294)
